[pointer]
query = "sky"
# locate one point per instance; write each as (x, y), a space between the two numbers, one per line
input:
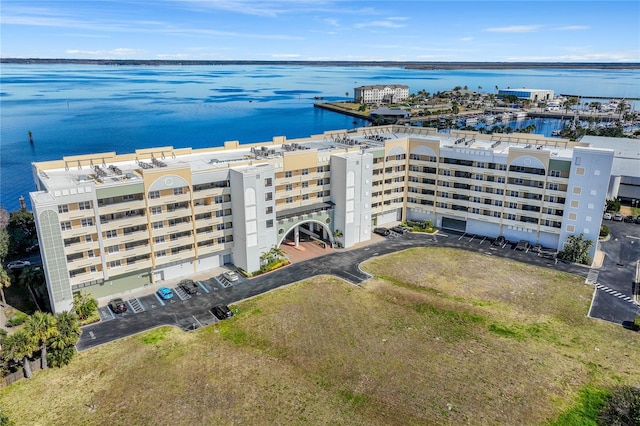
(318, 30)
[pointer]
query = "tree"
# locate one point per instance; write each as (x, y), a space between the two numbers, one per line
(84, 305)
(622, 408)
(613, 205)
(570, 102)
(576, 250)
(19, 346)
(61, 346)
(21, 229)
(5, 282)
(30, 277)
(42, 326)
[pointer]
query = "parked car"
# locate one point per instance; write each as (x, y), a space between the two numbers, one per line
(221, 312)
(189, 286)
(523, 245)
(18, 264)
(500, 241)
(638, 220)
(231, 276)
(536, 248)
(381, 231)
(165, 293)
(607, 216)
(629, 219)
(618, 217)
(118, 306)
(400, 230)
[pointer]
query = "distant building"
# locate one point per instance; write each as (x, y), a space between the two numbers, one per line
(393, 113)
(531, 94)
(111, 223)
(624, 182)
(381, 94)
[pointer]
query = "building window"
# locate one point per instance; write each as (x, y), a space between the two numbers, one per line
(289, 200)
(570, 228)
(572, 216)
(305, 196)
(65, 226)
(554, 173)
(220, 227)
(553, 186)
(269, 223)
(115, 264)
(268, 210)
(577, 190)
(84, 205)
(158, 225)
(159, 239)
(268, 182)
(113, 249)
(90, 253)
(288, 174)
(64, 208)
(88, 238)
(92, 268)
(87, 222)
(154, 194)
(161, 253)
(320, 182)
(305, 184)
(156, 210)
(268, 196)
(320, 194)
(575, 203)
(178, 191)
(288, 187)
(320, 169)
(502, 167)
(111, 234)
(219, 213)
(129, 197)
(305, 172)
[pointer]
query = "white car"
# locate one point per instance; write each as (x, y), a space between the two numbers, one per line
(18, 264)
(607, 216)
(231, 276)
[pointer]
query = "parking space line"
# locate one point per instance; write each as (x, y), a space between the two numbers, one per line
(159, 299)
(204, 287)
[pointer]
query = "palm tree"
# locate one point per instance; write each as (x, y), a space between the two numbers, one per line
(41, 326)
(19, 346)
(5, 282)
(62, 345)
(29, 277)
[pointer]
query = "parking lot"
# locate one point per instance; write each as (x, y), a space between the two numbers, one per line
(613, 281)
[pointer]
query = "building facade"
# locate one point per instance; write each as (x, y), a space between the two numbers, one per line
(531, 94)
(381, 94)
(109, 223)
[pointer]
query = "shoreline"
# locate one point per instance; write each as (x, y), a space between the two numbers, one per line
(406, 64)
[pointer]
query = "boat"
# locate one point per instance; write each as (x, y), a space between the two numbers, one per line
(520, 115)
(556, 132)
(489, 119)
(505, 117)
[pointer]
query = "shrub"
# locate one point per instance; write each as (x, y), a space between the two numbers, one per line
(604, 231)
(17, 319)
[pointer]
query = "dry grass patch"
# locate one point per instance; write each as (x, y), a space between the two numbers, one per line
(419, 346)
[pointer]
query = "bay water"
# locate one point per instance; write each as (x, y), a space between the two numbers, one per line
(80, 109)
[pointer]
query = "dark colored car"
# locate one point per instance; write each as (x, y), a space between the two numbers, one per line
(629, 219)
(189, 286)
(221, 312)
(500, 241)
(638, 220)
(400, 230)
(523, 245)
(118, 306)
(381, 231)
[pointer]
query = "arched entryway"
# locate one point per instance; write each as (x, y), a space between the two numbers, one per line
(305, 240)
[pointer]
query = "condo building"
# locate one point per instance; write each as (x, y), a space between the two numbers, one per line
(531, 94)
(109, 223)
(380, 93)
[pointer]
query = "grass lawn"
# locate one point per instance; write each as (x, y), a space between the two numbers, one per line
(439, 336)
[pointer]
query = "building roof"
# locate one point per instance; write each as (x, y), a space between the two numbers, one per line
(382, 86)
(66, 176)
(626, 157)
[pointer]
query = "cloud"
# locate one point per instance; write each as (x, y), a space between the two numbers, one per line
(285, 55)
(621, 56)
(114, 53)
(514, 29)
(388, 23)
(572, 28)
(466, 39)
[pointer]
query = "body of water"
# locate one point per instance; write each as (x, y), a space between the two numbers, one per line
(79, 109)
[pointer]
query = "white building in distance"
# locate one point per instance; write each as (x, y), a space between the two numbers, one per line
(381, 94)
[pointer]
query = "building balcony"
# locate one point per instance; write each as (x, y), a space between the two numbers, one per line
(123, 207)
(123, 222)
(86, 277)
(139, 250)
(140, 265)
(178, 242)
(81, 247)
(83, 262)
(212, 192)
(289, 181)
(549, 229)
(169, 258)
(79, 231)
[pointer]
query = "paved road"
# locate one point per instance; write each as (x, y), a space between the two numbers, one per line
(194, 312)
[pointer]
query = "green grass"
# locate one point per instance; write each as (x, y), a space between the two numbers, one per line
(436, 338)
